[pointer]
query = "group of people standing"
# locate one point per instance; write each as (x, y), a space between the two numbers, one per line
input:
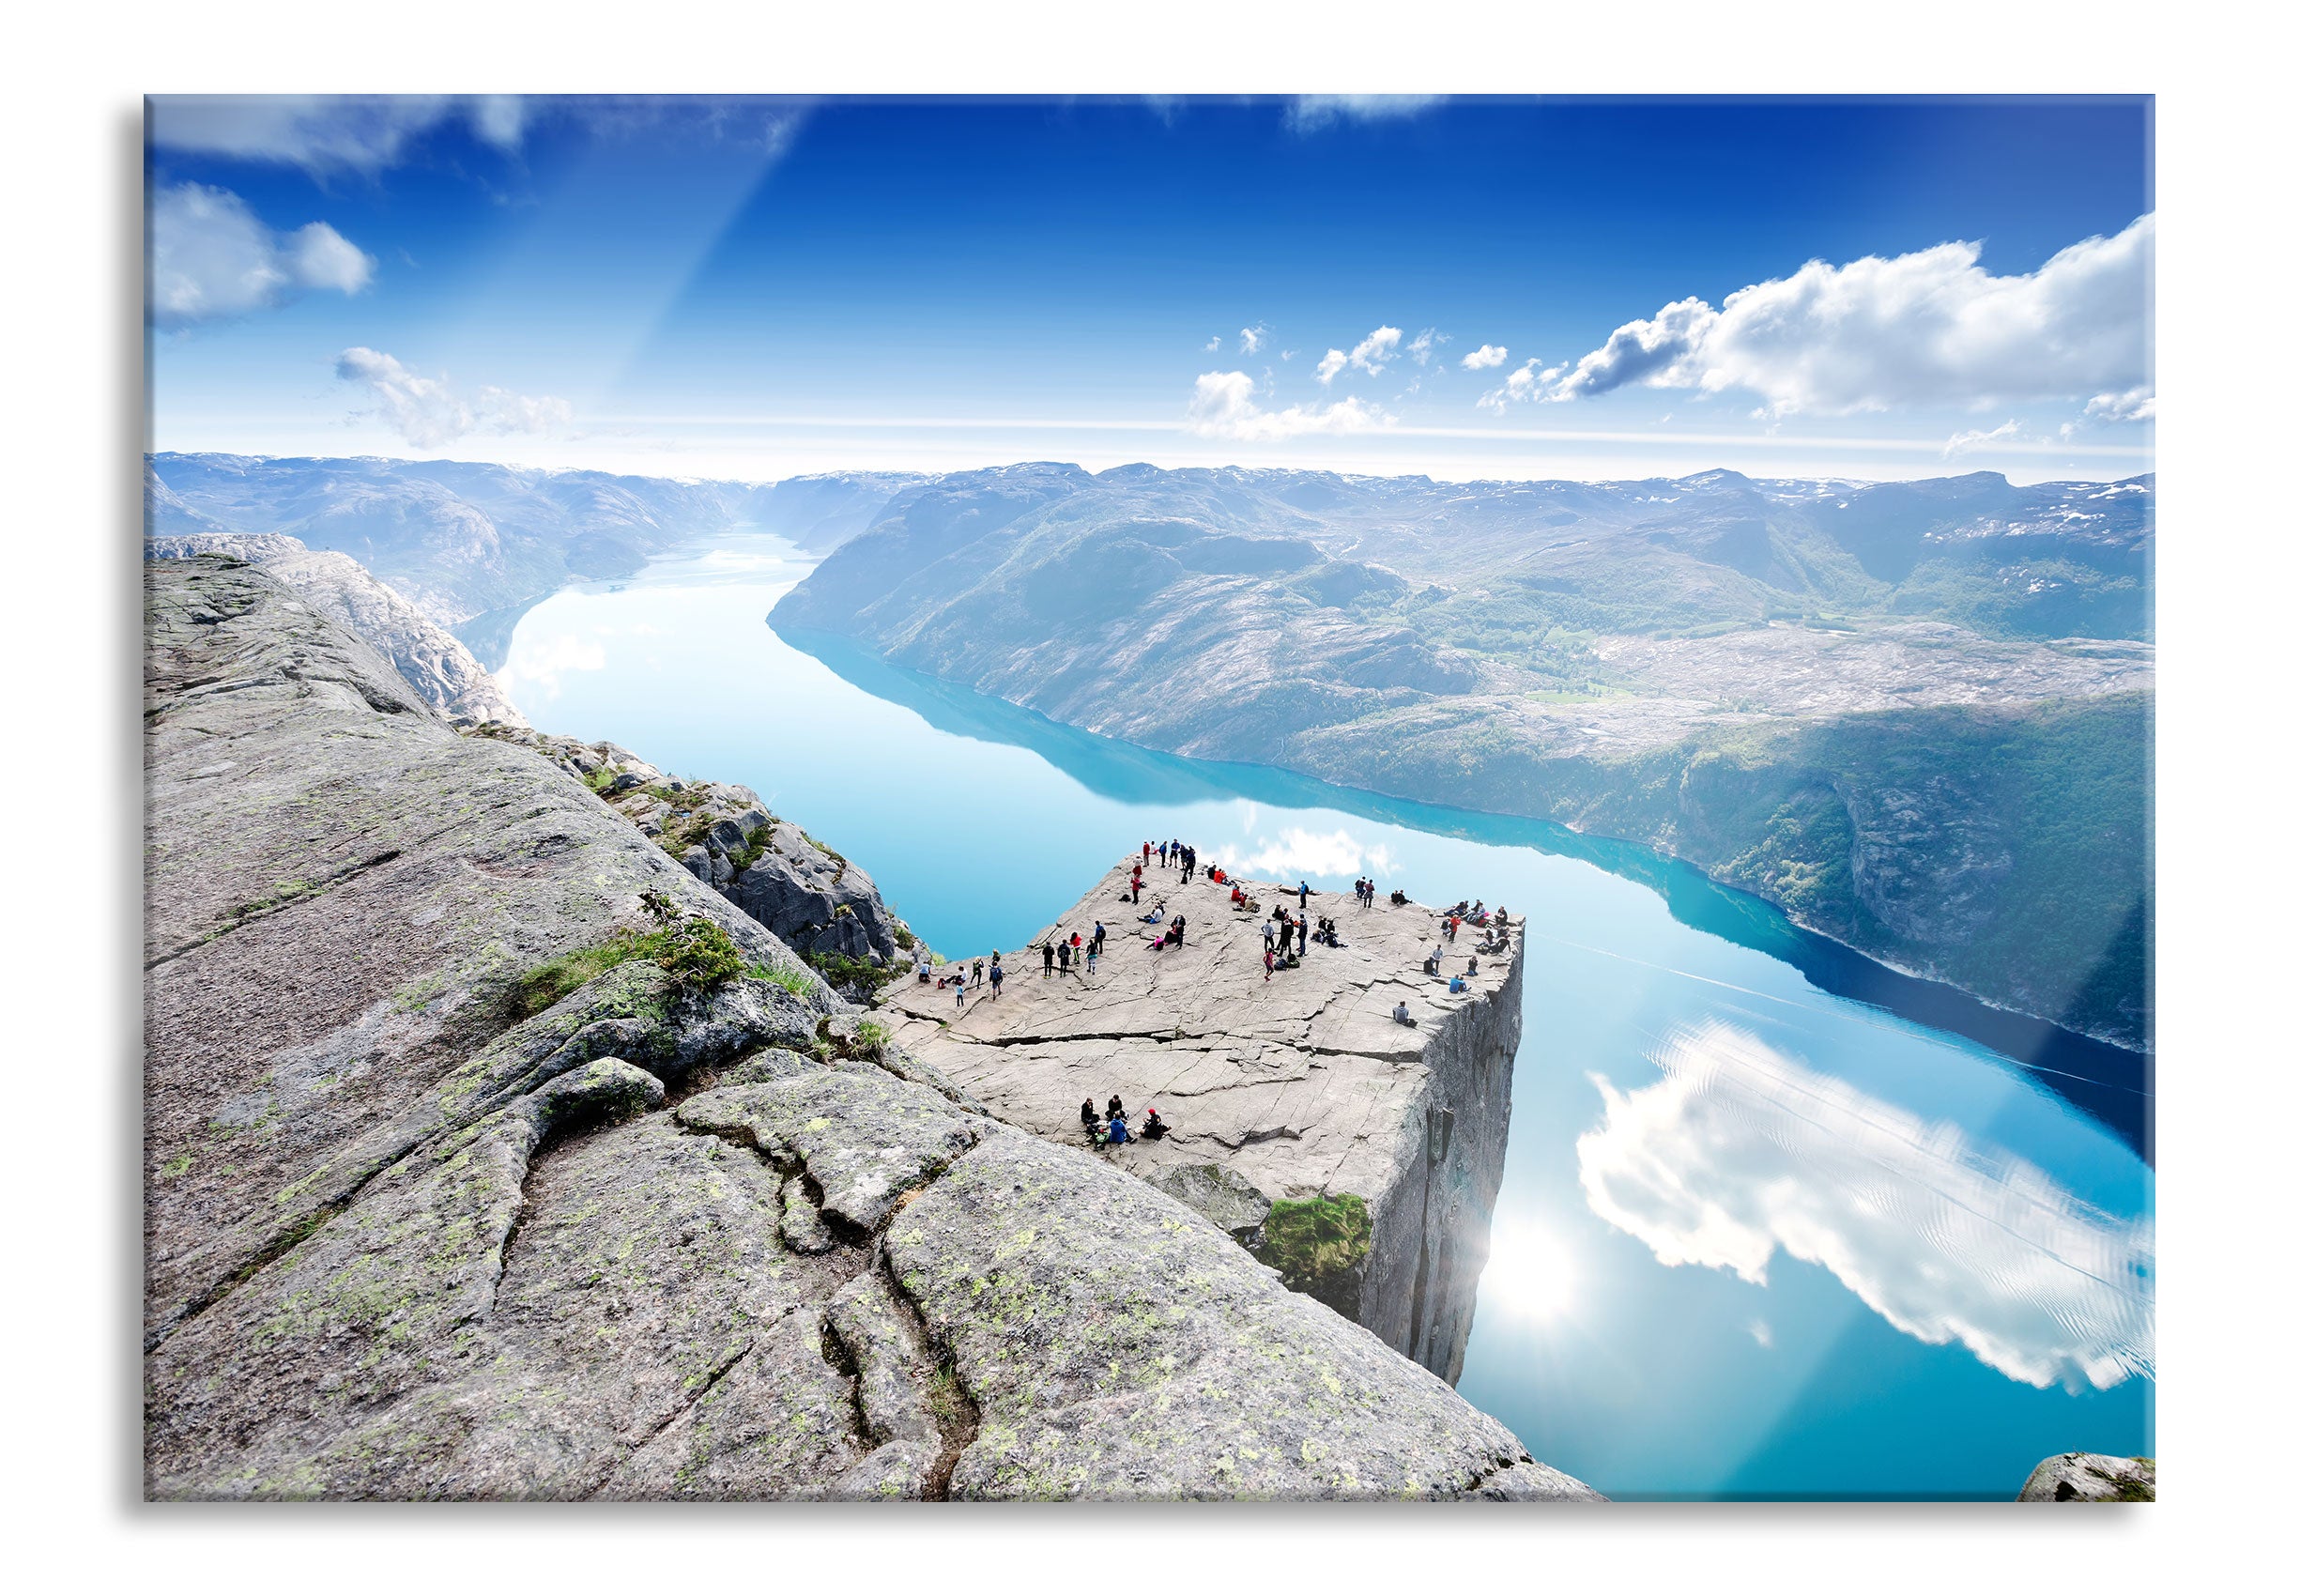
(1114, 1131)
(955, 979)
(1171, 855)
(1077, 953)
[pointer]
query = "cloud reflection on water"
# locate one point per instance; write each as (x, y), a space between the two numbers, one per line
(536, 668)
(1298, 852)
(1741, 1150)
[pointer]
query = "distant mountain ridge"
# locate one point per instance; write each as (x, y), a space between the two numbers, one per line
(473, 545)
(1915, 715)
(1860, 701)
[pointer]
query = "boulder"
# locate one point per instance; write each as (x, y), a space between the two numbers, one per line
(1222, 1194)
(2092, 1477)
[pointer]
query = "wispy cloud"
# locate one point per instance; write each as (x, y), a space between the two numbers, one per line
(212, 256)
(1311, 112)
(427, 411)
(1222, 405)
(326, 133)
(1424, 342)
(1933, 327)
(1518, 387)
(1250, 338)
(1373, 351)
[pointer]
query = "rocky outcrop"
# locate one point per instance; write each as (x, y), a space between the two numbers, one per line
(1372, 1150)
(427, 655)
(807, 894)
(458, 1185)
(2089, 1477)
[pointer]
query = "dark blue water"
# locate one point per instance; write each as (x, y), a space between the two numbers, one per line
(1776, 1221)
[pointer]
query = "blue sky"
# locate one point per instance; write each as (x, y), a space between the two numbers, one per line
(1466, 287)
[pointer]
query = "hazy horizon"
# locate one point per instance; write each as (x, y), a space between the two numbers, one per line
(1081, 463)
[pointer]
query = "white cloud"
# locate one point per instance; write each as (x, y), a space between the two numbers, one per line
(427, 411)
(1741, 1151)
(2010, 432)
(1933, 327)
(1424, 340)
(1373, 351)
(1215, 343)
(2138, 404)
(1515, 389)
(212, 256)
(1222, 405)
(1311, 112)
(1287, 354)
(1250, 338)
(323, 132)
(1484, 356)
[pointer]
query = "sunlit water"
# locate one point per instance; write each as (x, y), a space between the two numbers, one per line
(1756, 1237)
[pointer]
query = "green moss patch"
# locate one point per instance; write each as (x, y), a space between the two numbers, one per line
(1319, 1246)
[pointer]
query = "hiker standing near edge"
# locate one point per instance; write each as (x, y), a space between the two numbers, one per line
(1047, 948)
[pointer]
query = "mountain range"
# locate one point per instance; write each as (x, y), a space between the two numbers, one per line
(1917, 715)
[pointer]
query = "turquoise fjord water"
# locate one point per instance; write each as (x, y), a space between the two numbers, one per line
(1775, 1221)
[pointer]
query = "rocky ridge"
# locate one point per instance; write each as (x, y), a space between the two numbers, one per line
(428, 658)
(1360, 1156)
(455, 1188)
(806, 892)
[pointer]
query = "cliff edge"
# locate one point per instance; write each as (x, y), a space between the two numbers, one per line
(1374, 1148)
(491, 1154)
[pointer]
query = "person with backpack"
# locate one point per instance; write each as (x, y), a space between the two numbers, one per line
(998, 976)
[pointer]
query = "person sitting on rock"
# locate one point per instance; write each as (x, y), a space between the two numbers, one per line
(1118, 1130)
(1115, 1107)
(1400, 1016)
(1157, 915)
(1473, 964)
(1085, 1112)
(1153, 1128)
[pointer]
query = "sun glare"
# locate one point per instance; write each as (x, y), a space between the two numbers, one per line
(1530, 1274)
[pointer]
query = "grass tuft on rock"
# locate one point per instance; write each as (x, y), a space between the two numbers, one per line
(1319, 1245)
(696, 952)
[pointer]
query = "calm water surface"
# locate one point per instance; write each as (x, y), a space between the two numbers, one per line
(1775, 1221)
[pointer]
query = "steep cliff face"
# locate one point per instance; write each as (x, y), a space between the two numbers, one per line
(1359, 1157)
(492, 1155)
